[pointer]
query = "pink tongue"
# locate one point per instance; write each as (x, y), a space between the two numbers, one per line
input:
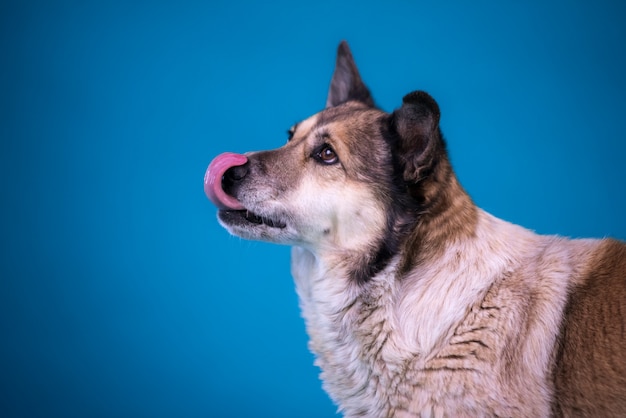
(213, 180)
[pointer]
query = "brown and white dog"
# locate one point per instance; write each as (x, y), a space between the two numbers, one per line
(417, 302)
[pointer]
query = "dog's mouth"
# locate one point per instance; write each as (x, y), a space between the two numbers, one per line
(232, 211)
(246, 216)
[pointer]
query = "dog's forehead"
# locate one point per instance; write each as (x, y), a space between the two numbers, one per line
(303, 128)
(350, 112)
(343, 116)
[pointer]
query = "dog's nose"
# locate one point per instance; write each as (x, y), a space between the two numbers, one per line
(237, 173)
(218, 185)
(233, 177)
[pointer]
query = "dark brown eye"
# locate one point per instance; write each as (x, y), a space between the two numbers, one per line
(326, 155)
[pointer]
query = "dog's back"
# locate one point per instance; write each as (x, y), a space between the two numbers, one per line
(590, 369)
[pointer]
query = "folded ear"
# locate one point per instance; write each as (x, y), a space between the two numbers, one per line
(420, 143)
(346, 83)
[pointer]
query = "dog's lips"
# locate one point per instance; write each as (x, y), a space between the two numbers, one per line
(237, 216)
(213, 180)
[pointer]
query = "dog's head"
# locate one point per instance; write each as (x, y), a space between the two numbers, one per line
(347, 178)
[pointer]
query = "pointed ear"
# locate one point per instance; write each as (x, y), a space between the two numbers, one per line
(420, 142)
(346, 83)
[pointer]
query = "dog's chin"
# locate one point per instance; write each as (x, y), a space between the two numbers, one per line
(249, 225)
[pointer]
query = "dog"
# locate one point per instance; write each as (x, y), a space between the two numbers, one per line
(417, 302)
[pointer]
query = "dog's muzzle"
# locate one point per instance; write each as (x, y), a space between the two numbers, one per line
(215, 175)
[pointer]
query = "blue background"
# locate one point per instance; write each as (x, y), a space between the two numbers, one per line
(121, 296)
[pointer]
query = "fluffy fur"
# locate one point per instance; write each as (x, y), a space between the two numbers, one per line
(418, 303)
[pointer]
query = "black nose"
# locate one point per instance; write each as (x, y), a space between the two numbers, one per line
(236, 173)
(233, 176)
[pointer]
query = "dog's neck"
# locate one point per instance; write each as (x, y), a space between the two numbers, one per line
(399, 316)
(446, 219)
(445, 214)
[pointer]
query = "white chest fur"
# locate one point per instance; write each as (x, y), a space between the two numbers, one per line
(453, 337)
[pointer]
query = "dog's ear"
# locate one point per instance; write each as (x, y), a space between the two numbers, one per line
(346, 83)
(417, 126)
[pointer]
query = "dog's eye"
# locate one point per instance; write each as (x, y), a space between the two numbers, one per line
(326, 155)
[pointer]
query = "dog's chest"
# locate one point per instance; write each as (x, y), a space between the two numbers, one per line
(369, 372)
(370, 368)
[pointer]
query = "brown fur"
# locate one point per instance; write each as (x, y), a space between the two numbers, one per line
(590, 374)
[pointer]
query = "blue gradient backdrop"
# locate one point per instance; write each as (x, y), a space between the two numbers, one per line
(120, 296)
